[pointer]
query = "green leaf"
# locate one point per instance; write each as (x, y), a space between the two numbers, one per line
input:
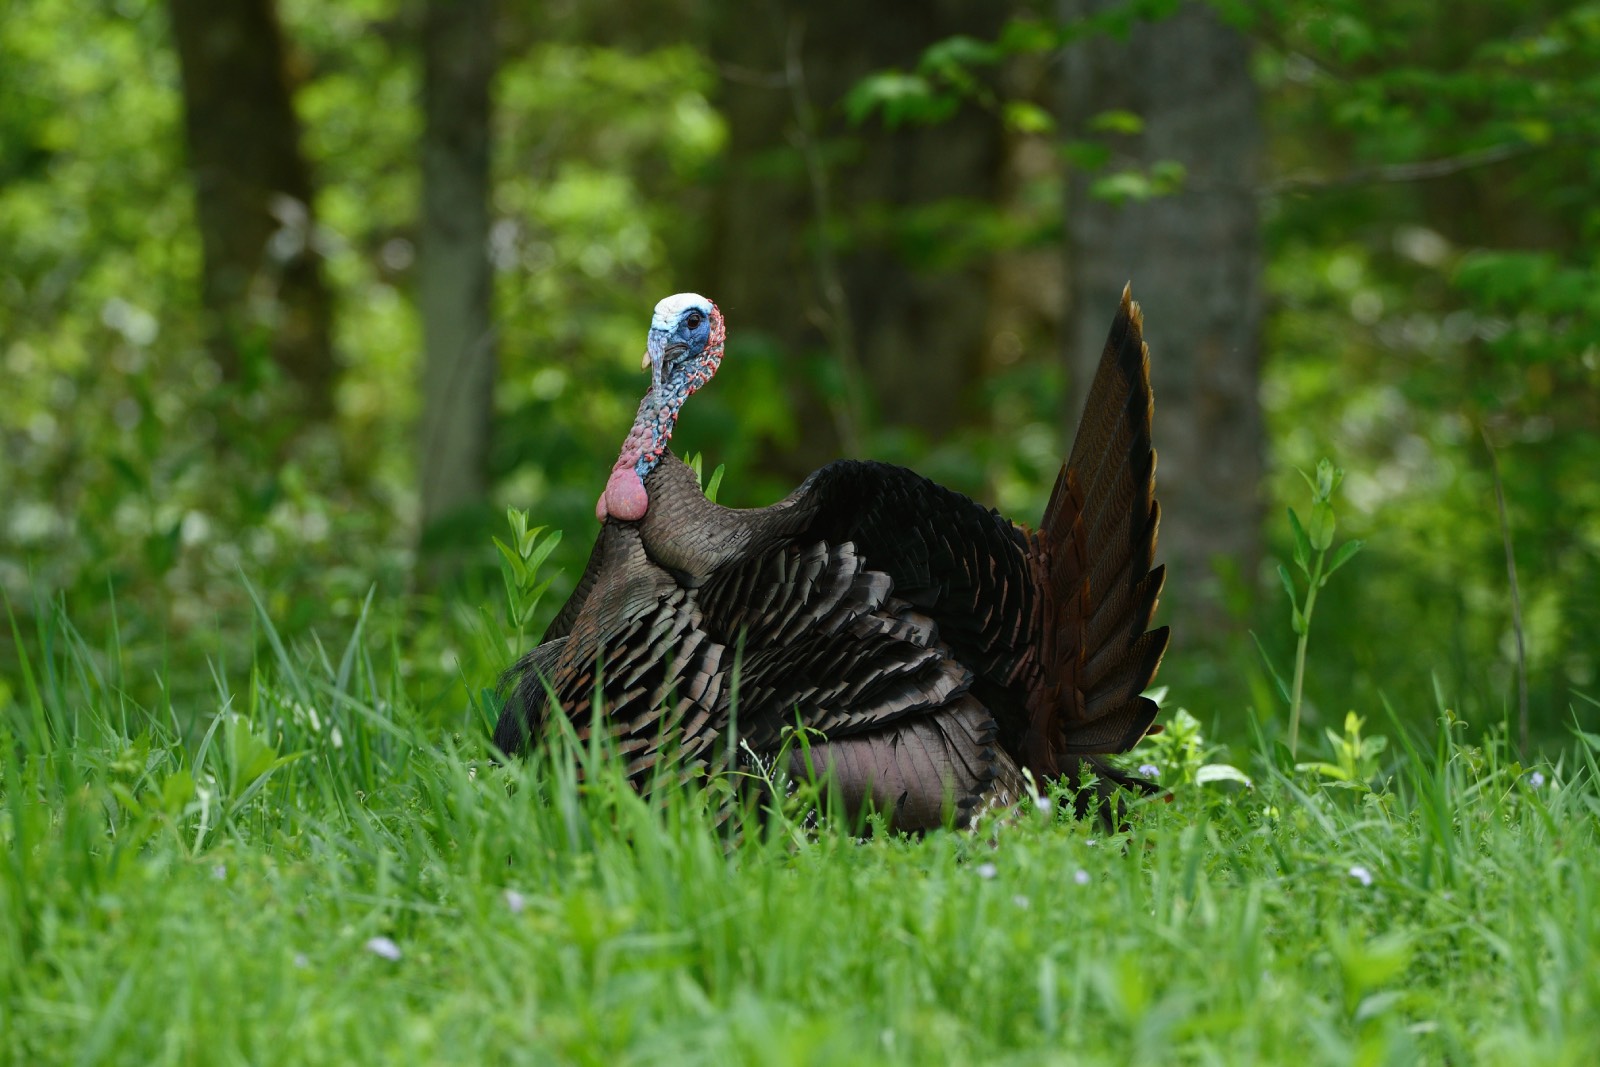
(249, 757)
(541, 553)
(901, 97)
(341, 679)
(512, 560)
(958, 52)
(716, 482)
(1030, 35)
(1327, 770)
(1371, 964)
(1122, 187)
(126, 798)
(1302, 543)
(1117, 120)
(1288, 585)
(1345, 554)
(1025, 117)
(1283, 688)
(1221, 772)
(1322, 525)
(177, 791)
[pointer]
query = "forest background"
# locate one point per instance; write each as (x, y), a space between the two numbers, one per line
(301, 296)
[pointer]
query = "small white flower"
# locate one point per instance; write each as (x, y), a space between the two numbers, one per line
(987, 870)
(383, 946)
(1020, 901)
(220, 872)
(1043, 803)
(1150, 771)
(1081, 876)
(300, 961)
(515, 901)
(1091, 842)
(1361, 874)
(1536, 779)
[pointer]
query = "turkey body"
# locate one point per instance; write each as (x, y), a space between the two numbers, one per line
(931, 647)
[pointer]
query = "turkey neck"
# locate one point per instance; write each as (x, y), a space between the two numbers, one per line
(688, 534)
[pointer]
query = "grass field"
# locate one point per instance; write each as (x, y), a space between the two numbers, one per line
(318, 873)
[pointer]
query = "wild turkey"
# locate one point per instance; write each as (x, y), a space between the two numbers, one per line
(931, 646)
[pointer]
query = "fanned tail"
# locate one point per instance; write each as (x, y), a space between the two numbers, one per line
(1099, 536)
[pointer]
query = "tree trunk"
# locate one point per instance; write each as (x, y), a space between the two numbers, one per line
(262, 285)
(1194, 259)
(454, 277)
(807, 251)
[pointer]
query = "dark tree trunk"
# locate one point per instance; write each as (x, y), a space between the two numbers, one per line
(1194, 259)
(804, 251)
(454, 278)
(262, 286)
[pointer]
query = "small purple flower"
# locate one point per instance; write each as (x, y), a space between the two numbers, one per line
(987, 870)
(1536, 780)
(1361, 874)
(385, 947)
(1081, 876)
(301, 961)
(220, 872)
(1150, 771)
(515, 901)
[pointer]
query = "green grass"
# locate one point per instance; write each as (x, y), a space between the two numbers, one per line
(204, 885)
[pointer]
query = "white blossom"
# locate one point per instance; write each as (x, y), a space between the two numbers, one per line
(385, 947)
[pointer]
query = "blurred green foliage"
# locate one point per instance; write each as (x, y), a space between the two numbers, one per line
(1434, 278)
(1433, 216)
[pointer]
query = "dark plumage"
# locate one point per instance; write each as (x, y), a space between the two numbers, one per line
(934, 646)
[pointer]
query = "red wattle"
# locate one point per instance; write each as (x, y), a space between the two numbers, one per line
(624, 498)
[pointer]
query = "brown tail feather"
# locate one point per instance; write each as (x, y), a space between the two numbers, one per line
(1099, 535)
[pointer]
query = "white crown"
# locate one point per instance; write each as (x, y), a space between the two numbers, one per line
(670, 310)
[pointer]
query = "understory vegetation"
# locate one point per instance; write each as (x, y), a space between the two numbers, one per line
(324, 870)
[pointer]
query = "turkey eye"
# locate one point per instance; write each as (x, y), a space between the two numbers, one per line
(693, 321)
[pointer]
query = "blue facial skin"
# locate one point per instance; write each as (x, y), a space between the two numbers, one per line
(680, 329)
(688, 332)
